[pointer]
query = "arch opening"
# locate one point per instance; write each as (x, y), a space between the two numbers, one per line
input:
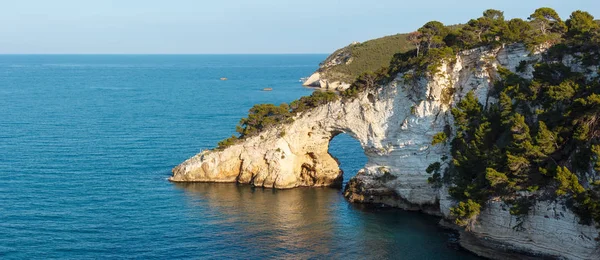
(349, 154)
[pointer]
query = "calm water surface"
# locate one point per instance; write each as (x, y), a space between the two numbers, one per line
(87, 142)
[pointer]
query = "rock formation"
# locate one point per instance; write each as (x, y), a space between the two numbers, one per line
(395, 125)
(319, 79)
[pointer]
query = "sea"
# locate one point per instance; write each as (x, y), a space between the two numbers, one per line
(87, 143)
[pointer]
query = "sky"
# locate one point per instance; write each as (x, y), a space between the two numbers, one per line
(232, 26)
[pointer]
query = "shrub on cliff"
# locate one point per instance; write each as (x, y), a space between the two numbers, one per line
(261, 117)
(466, 213)
(367, 80)
(264, 116)
(227, 142)
(316, 99)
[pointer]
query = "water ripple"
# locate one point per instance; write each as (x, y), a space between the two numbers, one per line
(87, 142)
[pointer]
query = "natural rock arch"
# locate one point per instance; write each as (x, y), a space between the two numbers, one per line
(395, 125)
(349, 154)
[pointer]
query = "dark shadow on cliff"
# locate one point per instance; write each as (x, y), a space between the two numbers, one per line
(349, 154)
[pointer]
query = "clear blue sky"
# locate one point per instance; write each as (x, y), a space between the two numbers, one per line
(232, 26)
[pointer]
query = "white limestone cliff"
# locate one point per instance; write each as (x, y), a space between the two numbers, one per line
(317, 81)
(320, 78)
(395, 125)
(549, 230)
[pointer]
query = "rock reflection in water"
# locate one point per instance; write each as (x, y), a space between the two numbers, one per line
(295, 221)
(306, 223)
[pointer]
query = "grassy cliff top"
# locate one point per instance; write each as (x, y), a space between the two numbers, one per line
(367, 56)
(347, 63)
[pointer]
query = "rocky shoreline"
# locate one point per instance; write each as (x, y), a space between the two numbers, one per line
(395, 125)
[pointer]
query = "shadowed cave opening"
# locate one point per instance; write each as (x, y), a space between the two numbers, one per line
(349, 154)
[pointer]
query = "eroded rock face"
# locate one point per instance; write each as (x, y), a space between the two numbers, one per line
(317, 81)
(313, 81)
(275, 159)
(549, 230)
(395, 125)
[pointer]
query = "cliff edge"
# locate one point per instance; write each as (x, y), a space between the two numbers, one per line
(395, 125)
(343, 66)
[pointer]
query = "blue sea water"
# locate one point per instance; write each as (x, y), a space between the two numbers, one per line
(87, 142)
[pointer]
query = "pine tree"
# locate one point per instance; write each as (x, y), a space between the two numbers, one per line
(596, 157)
(517, 30)
(432, 34)
(548, 26)
(567, 182)
(466, 213)
(546, 140)
(505, 103)
(521, 139)
(580, 26)
(547, 21)
(518, 167)
(564, 91)
(495, 178)
(415, 38)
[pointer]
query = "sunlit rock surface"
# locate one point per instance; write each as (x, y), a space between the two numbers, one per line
(395, 125)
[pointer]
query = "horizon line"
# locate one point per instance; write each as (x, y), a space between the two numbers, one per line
(283, 53)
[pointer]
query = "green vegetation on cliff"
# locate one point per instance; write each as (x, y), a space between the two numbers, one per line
(265, 116)
(367, 56)
(370, 56)
(540, 141)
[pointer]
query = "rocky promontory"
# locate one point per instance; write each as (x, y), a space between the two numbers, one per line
(395, 122)
(395, 126)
